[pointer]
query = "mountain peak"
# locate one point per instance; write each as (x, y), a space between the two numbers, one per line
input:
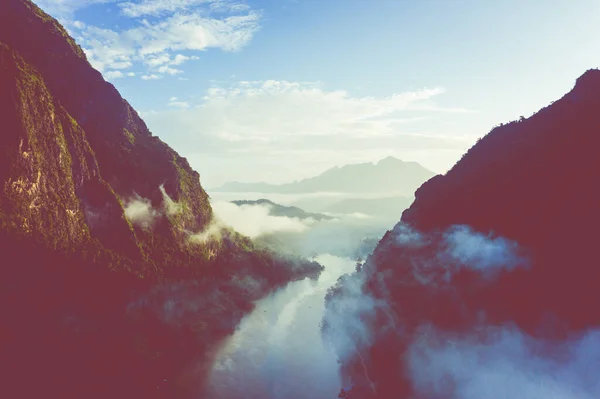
(96, 209)
(389, 175)
(589, 82)
(389, 160)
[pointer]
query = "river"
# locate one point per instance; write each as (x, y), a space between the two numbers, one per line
(277, 351)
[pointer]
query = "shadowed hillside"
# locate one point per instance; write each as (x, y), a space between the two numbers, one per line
(491, 270)
(115, 281)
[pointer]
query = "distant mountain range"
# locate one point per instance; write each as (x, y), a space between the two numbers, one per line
(388, 175)
(286, 211)
(387, 207)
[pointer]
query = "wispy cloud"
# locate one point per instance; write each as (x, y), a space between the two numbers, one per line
(275, 118)
(66, 8)
(113, 75)
(161, 7)
(271, 110)
(175, 102)
(159, 30)
(139, 211)
(481, 252)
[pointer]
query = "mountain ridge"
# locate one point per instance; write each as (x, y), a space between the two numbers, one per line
(276, 209)
(388, 174)
(132, 161)
(102, 301)
(526, 190)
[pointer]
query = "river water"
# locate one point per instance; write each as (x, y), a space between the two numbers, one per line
(277, 351)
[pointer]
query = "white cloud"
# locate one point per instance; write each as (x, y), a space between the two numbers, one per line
(157, 7)
(172, 207)
(265, 122)
(180, 59)
(121, 65)
(168, 70)
(481, 252)
(499, 363)
(140, 212)
(161, 7)
(158, 60)
(157, 43)
(78, 24)
(254, 220)
(175, 102)
(273, 111)
(65, 8)
(179, 104)
(113, 75)
(150, 77)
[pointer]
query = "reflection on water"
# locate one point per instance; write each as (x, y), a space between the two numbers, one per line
(277, 351)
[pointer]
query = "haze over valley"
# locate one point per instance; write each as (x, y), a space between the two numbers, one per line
(230, 199)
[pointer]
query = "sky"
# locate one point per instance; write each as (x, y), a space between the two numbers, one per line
(279, 90)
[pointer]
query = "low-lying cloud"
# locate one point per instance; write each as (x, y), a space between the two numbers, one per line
(345, 235)
(255, 220)
(212, 232)
(358, 317)
(405, 236)
(501, 363)
(481, 252)
(457, 248)
(139, 211)
(172, 207)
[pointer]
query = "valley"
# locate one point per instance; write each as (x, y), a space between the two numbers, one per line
(231, 199)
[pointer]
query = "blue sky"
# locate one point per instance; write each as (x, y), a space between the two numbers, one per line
(276, 90)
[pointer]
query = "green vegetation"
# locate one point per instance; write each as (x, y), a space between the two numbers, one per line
(123, 308)
(129, 136)
(54, 27)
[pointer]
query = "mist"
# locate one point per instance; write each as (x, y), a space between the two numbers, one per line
(172, 207)
(349, 235)
(255, 220)
(503, 362)
(481, 252)
(457, 248)
(139, 211)
(357, 317)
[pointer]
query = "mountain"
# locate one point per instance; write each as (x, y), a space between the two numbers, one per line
(498, 251)
(284, 211)
(387, 207)
(389, 174)
(114, 280)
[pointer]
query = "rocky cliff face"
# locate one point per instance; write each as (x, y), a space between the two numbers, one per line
(112, 284)
(52, 185)
(505, 238)
(132, 161)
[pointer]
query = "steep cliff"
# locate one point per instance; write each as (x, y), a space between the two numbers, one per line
(114, 282)
(506, 238)
(52, 186)
(132, 161)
